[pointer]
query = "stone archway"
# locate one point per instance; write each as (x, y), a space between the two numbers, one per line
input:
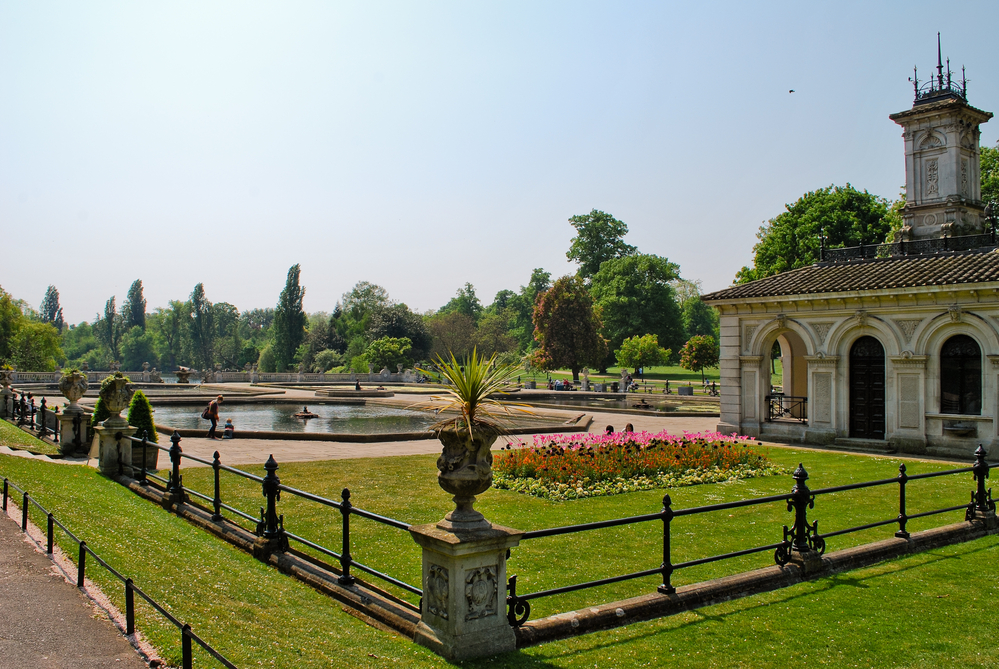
(867, 389)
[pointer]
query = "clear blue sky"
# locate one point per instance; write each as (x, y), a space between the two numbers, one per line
(420, 145)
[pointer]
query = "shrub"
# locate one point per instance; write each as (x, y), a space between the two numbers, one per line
(100, 414)
(140, 415)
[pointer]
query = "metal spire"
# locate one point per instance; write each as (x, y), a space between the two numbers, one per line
(939, 63)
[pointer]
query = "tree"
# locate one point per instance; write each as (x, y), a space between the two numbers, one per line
(202, 328)
(599, 237)
(227, 345)
(640, 352)
(635, 298)
(396, 320)
(845, 216)
(567, 328)
(137, 347)
(50, 310)
(491, 335)
(990, 176)
(464, 302)
(140, 415)
(698, 317)
(388, 352)
(36, 346)
(289, 321)
(171, 328)
(453, 334)
(110, 329)
(134, 309)
(699, 352)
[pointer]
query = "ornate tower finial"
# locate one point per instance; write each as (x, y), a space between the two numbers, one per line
(939, 63)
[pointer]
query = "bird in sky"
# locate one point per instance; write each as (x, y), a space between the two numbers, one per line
(791, 91)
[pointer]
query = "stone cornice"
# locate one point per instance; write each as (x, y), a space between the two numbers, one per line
(994, 359)
(909, 360)
(822, 360)
(748, 360)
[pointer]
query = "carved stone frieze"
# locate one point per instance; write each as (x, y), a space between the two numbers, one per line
(821, 359)
(749, 330)
(480, 592)
(861, 317)
(821, 330)
(907, 359)
(955, 314)
(908, 326)
(436, 590)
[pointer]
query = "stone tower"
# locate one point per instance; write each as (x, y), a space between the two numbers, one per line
(942, 162)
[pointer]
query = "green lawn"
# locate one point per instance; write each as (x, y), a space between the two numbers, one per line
(925, 610)
(14, 437)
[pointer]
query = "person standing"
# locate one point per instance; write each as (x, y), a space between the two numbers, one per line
(213, 415)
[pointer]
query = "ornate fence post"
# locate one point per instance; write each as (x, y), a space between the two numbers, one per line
(666, 588)
(803, 540)
(217, 500)
(271, 526)
(41, 424)
(175, 486)
(982, 507)
(903, 518)
(345, 558)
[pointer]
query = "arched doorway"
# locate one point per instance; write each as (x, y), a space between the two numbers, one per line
(961, 376)
(867, 389)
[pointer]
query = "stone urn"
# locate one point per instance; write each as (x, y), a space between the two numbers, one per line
(183, 376)
(6, 378)
(116, 393)
(73, 385)
(465, 470)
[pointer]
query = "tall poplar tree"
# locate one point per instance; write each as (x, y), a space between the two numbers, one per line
(50, 310)
(134, 309)
(289, 321)
(202, 328)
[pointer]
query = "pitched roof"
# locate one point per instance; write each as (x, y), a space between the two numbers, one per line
(874, 274)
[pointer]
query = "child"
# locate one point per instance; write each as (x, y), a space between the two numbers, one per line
(229, 431)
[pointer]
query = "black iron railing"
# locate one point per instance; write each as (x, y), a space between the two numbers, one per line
(913, 248)
(786, 407)
(21, 410)
(269, 523)
(187, 634)
(802, 536)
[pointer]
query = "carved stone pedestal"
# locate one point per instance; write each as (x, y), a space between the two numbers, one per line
(67, 432)
(810, 561)
(6, 402)
(464, 591)
(115, 458)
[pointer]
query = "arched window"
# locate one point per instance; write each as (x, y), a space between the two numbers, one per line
(961, 376)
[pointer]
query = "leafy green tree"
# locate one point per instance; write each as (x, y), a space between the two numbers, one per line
(77, 341)
(140, 415)
(266, 362)
(171, 328)
(396, 320)
(567, 328)
(845, 216)
(599, 237)
(453, 334)
(491, 335)
(289, 320)
(50, 310)
(635, 297)
(464, 302)
(698, 317)
(990, 176)
(228, 344)
(641, 352)
(202, 328)
(326, 360)
(10, 321)
(36, 346)
(110, 329)
(389, 352)
(137, 346)
(134, 309)
(699, 352)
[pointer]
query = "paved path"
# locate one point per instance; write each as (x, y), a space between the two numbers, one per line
(45, 622)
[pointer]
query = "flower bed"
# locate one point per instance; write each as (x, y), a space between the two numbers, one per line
(575, 466)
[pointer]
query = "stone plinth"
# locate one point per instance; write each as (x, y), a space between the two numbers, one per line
(464, 591)
(67, 433)
(115, 458)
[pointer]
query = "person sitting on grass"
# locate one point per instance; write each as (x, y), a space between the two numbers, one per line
(229, 431)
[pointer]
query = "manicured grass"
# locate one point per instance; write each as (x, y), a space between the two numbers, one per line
(924, 610)
(657, 374)
(14, 437)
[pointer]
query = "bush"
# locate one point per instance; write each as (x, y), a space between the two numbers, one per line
(326, 360)
(266, 362)
(140, 415)
(100, 414)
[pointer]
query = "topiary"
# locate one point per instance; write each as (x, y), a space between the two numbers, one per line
(140, 415)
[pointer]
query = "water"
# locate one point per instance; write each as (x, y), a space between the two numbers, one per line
(333, 418)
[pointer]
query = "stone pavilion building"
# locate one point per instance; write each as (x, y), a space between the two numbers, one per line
(893, 346)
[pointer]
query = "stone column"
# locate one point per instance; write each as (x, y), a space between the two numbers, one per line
(464, 591)
(115, 455)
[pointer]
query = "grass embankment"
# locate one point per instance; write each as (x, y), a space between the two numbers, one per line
(14, 437)
(924, 610)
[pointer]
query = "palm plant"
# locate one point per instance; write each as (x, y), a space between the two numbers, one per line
(472, 382)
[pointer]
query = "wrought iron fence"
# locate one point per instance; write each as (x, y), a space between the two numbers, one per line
(269, 523)
(918, 247)
(23, 412)
(802, 535)
(187, 635)
(786, 407)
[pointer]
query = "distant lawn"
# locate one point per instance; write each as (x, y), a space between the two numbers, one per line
(656, 374)
(14, 437)
(926, 610)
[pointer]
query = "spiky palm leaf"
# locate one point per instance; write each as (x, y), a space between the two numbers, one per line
(472, 381)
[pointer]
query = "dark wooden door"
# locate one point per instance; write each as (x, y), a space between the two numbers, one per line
(867, 389)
